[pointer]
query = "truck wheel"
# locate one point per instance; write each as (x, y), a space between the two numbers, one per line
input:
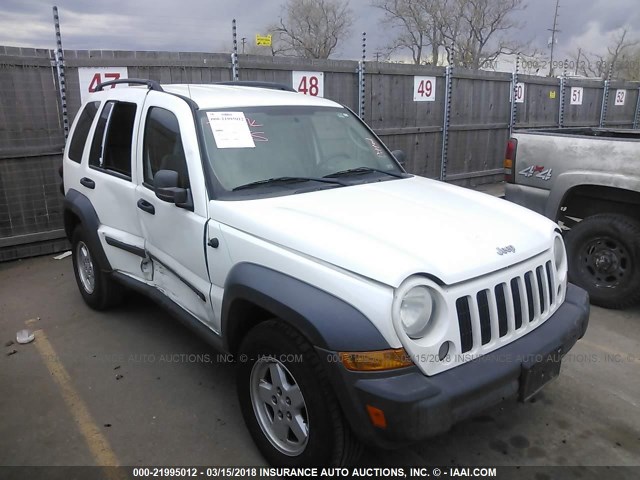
(97, 289)
(287, 403)
(604, 259)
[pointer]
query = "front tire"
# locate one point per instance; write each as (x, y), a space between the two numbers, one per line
(287, 402)
(97, 289)
(604, 259)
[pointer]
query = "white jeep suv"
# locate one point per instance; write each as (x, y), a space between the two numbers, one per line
(361, 303)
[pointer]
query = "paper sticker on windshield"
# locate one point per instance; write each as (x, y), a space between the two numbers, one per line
(230, 130)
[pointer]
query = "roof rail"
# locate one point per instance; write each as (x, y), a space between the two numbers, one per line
(151, 84)
(259, 84)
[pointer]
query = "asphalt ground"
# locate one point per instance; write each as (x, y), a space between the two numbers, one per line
(132, 386)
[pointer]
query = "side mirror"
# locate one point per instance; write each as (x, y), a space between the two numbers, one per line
(165, 183)
(400, 157)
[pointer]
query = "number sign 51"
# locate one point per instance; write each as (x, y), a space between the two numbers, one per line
(424, 89)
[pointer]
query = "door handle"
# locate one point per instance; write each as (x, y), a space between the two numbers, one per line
(87, 182)
(146, 206)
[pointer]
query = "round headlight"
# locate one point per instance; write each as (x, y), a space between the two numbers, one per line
(416, 310)
(559, 253)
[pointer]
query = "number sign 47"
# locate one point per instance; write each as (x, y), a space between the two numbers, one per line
(91, 77)
(97, 80)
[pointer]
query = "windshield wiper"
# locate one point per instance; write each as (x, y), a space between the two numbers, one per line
(360, 170)
(288, 180)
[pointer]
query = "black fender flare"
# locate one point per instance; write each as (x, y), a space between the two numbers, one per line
(325, 320)
(80, 206)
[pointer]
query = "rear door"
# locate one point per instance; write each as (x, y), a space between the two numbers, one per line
(174, 236)
(109, 177)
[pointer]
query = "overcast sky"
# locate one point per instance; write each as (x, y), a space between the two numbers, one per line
(205, 25)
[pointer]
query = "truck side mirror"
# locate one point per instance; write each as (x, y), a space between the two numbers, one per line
(165, 184)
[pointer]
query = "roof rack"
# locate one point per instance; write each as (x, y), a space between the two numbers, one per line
(259, 84)
(151, 84)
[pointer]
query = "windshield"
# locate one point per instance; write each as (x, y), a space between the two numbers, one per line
(262, 146)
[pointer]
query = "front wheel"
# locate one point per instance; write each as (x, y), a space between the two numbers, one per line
(604, 259)
(287, 402)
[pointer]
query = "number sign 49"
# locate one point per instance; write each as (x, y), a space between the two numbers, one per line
(424, 89)
(309, 83)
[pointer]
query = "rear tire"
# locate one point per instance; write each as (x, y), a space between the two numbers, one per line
(98, 290)
(604, 259)
(287, 402)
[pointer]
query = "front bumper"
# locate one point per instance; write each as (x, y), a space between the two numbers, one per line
(416, 406)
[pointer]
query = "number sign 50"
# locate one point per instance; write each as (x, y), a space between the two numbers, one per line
(309, 83)
(424, 89)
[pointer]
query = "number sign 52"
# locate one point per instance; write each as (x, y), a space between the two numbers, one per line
(309, 83)
(424, 89)
(620, 96)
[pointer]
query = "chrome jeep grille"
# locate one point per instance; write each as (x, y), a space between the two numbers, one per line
(506, 307)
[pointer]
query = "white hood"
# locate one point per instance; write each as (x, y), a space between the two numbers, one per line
(389, 230)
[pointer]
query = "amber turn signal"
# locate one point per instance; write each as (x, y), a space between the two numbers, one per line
(377, 417)
(376, 360)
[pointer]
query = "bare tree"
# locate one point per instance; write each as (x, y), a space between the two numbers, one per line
(312, 28)
(629, 66)
(621, 58)
(618, 58)
(475, 32)
(416, 20)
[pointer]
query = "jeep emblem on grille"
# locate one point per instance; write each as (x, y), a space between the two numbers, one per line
(507, 249)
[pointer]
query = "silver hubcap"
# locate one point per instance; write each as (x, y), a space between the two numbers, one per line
(279, 406)
(84, 264)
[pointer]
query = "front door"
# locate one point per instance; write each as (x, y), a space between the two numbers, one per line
(174, 236)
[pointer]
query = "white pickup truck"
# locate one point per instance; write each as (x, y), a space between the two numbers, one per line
(587, 180)
(356, 298)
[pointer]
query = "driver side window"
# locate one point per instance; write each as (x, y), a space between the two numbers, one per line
(162, 148)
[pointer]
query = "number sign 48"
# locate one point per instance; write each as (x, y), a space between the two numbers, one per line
(309, 83)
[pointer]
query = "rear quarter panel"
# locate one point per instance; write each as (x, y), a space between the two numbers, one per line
(557, 163)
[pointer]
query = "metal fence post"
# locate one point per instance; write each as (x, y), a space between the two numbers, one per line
(636, 117)
(514, 105)
(445, 126)
(605, 101)
(234, 54)
(361, 80)
(62, 83)
(605, 98)
(563, 82)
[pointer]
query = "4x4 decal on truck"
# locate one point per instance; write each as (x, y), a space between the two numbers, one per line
(538, 171)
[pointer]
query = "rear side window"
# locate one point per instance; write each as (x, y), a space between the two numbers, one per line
(162, 148)
(111, 145)
(82, 131)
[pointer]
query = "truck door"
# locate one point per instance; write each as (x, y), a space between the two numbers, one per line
(110, 180)
(174, 235)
